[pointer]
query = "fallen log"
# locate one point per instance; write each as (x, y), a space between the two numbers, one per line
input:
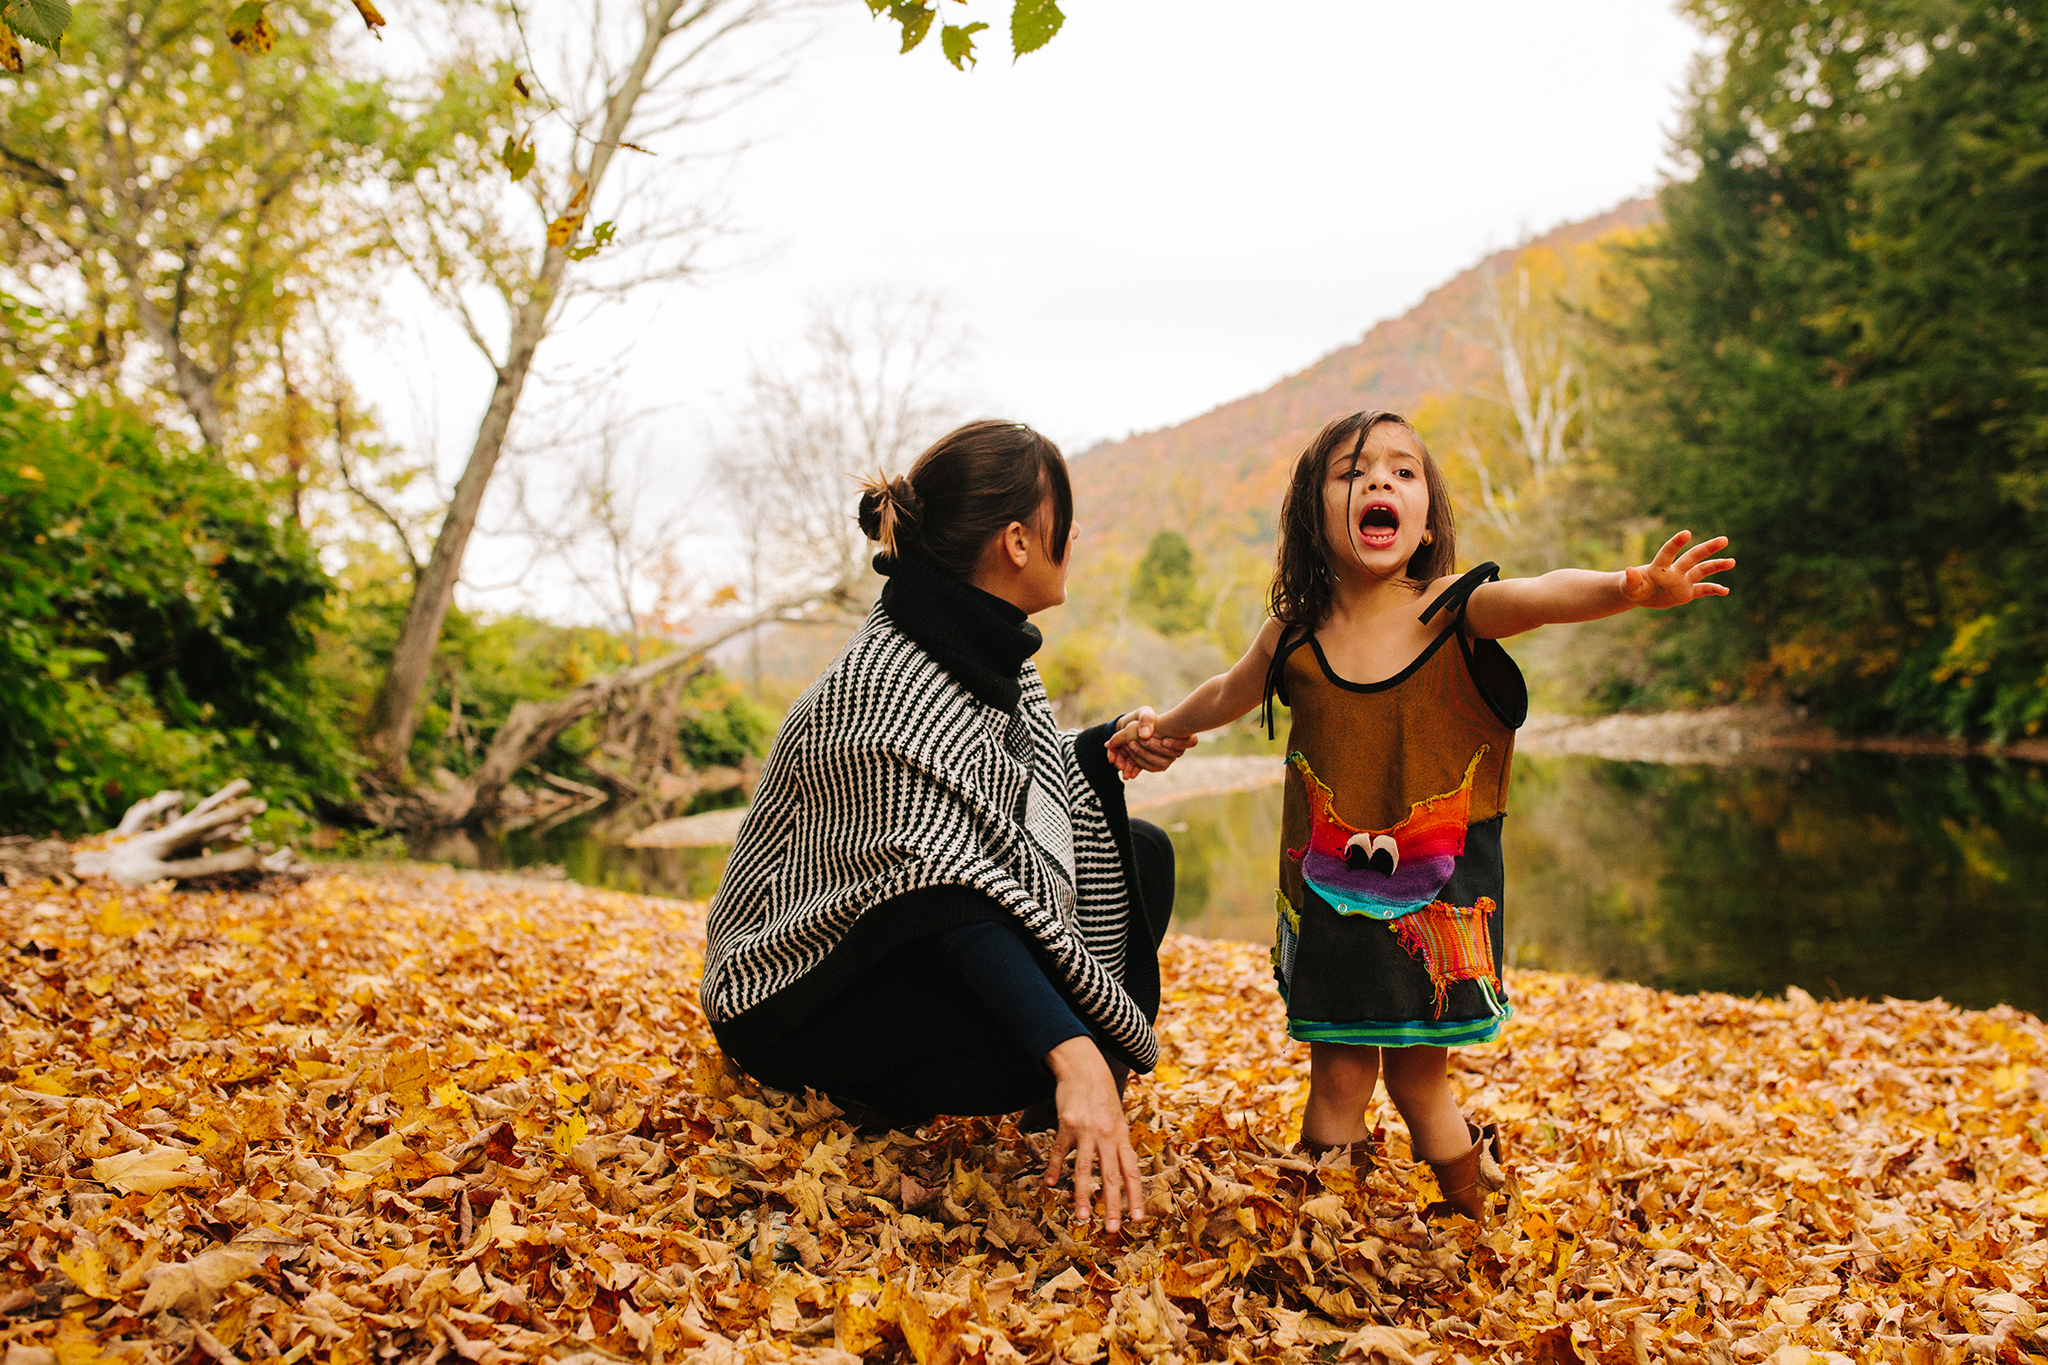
(25, 860)
(532, 725)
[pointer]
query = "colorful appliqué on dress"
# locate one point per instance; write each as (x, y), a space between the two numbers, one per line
(1452, 943)
(1389, 931)
(1385, 873)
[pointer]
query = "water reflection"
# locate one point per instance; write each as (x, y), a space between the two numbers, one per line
(685, 873)
(1848, 874)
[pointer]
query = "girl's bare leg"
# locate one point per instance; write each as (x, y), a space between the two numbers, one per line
(1341, 1078)
(1419, 1083)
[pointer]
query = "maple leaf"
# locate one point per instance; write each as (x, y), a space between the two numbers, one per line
(192, 1286)
(149, 1170)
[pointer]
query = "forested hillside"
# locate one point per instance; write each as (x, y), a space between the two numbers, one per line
(1823, 339)
(1217, 478)
(1492, 366)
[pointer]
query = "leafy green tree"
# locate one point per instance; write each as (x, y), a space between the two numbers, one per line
(46, 23)
(156, 622)
(1837, 360)
(171, 203)
(501, 265)
(1164, 591)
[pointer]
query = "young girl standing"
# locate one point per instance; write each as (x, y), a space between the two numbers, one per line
(1403, 716)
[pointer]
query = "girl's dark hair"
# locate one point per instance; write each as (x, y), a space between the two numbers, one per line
(1302, 580)
(974, 481)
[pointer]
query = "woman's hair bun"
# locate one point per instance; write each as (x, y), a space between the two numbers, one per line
(890, 512)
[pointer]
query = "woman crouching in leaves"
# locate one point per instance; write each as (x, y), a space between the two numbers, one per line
(937, 904)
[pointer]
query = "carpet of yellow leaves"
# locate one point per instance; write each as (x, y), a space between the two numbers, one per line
(425, 1116)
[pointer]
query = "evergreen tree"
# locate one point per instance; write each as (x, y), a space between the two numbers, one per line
(1837, 360)
(1164, 593)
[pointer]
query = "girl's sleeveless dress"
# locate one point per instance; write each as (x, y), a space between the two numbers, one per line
(1390, 872)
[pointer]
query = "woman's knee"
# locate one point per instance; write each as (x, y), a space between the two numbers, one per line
(1152, 850)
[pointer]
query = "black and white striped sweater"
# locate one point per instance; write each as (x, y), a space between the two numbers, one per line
(890, 778)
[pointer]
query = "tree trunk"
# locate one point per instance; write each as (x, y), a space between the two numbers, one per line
(433, 590)
(397, 709)
(193, 384)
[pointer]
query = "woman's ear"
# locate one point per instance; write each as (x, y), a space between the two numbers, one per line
(1017, 543)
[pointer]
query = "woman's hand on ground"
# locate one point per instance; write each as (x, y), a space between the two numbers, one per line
(1093, 1128)
(1673, 579)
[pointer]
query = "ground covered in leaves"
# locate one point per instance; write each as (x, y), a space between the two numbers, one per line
(422, 1116)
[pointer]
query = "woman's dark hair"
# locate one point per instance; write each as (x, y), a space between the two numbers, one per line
(1302, 580)
(974, 481)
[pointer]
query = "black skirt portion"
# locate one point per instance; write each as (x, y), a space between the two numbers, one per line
(1351, 978)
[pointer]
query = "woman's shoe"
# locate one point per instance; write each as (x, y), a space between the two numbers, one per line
(869, 1122)
(1039, 1118)
(1357, 1155)
(1467, 1180)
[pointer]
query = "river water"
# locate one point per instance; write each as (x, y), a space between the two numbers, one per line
(1844, 874)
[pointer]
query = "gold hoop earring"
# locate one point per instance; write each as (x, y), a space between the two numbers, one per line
(1428, 537)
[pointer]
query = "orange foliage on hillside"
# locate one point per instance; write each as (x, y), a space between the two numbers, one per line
(1218, 478)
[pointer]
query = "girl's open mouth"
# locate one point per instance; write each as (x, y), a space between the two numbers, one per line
(1378, 525)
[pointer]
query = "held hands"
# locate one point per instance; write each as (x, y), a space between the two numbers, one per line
(1137, 747)
(1093, 1128)
(1673, 579)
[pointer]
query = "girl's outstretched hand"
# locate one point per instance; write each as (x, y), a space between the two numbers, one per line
(1136, 747)
(1673, 579)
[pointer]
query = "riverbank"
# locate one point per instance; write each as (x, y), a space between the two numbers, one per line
(1718, 736)
(1735, 734)
(434, 1109)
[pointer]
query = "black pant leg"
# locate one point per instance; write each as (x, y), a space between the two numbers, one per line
(910, 1038)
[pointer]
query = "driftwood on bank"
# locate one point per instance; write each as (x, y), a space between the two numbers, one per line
(154, 842)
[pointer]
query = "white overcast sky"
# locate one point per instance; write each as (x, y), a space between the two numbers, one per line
(1174, 204)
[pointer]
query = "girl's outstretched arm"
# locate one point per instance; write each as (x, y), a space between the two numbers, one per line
(1216, 702)
(1672, 579)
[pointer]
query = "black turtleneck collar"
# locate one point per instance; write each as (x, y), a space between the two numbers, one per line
(976, 636)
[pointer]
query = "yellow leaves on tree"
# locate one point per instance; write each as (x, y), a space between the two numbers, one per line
(485, 1118)
(249, 29)
(564, 228)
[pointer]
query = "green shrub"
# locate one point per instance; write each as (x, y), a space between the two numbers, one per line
(156, 618)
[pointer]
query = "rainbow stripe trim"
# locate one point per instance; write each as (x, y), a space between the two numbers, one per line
(1409, 1033)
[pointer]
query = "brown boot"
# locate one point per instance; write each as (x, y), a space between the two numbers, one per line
(1358, 1155)
(1467, 1180)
